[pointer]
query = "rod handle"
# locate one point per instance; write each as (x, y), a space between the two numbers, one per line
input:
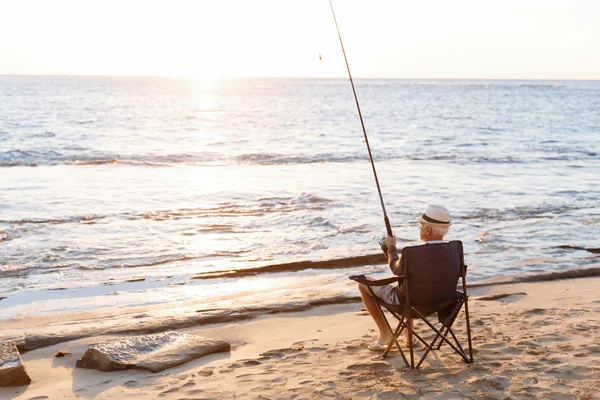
(388, 227)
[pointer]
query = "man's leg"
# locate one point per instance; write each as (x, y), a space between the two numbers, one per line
(384, 333)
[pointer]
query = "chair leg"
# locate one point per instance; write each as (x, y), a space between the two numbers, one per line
(448, 323)
(441, 341)
(466, 300)
(399, 318)
(393, 338)
(468, 329)
(438, 335)
(462, 351)
(395, 334)
(429, 348)
(410, 343)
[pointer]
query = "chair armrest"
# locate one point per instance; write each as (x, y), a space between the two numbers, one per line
(379, 282)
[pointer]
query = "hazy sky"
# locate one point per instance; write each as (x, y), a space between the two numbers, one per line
(550, 39)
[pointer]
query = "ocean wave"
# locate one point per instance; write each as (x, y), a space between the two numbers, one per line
(305, 201)
(32, 158)
(541, 85)
(43, 135)
(52, 221)
(572, 273)
(348, 262)
(519, 213)
(458, 83)
(13, 158)
(262, 206)
(151, 262)
(116, 161)
(14, 270)
(281, 159)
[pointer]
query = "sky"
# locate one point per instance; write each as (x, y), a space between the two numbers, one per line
(429, 39)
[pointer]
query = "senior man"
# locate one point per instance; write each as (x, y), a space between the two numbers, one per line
(433, 226)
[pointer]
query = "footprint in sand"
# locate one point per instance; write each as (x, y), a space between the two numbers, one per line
(592, 348)
(537, 352)
(552, 360)
(495, 364)
(478, 368)
(192, 398)
(378, 366)
(304, 342)
(130, 384)
(533, 311)
(492, 345)
(172, 390)
(484, 384)
(316, 349)
(194, 391)
(279, 353)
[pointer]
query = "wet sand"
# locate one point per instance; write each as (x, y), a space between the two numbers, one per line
(531, 340)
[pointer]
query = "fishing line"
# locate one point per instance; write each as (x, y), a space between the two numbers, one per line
(385, 217)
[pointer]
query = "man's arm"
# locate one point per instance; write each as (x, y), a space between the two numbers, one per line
(394, 260)
(390, 250)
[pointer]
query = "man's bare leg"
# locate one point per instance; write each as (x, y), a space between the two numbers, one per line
(384, 333)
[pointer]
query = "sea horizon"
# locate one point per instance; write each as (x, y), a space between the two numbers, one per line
(345, 78)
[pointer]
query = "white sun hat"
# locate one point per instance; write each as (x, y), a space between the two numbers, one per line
(436, 216)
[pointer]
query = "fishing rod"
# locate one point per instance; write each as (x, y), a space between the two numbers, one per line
(388, 227)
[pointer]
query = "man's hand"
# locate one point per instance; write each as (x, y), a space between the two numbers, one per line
(390, 241)
(386, 243)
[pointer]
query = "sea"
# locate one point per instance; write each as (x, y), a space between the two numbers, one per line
(131, 194)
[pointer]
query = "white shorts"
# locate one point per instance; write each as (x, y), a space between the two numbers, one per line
(388, 293)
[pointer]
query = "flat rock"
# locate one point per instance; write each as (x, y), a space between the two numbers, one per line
(153, 353)
(12, 370)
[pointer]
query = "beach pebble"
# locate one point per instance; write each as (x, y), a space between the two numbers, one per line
(153, 353)
(12, 370)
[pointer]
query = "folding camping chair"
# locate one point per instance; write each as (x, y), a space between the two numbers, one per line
(428, 283)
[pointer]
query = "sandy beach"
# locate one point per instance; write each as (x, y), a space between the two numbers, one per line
(540, 341)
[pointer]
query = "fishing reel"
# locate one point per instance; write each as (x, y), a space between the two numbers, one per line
(383, 246)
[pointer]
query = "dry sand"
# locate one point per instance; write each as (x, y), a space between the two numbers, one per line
(542, 343)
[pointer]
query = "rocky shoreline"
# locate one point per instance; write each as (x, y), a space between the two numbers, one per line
(150, 322)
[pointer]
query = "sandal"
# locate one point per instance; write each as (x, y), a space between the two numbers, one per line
(377, 347)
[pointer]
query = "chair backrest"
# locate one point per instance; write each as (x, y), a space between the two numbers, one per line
(433, 270)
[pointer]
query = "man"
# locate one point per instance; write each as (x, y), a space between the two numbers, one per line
(433, 226)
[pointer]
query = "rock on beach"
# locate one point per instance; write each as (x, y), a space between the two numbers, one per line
(12, 370)
(153, 353)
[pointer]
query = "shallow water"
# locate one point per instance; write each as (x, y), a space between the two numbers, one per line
(104, 180)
